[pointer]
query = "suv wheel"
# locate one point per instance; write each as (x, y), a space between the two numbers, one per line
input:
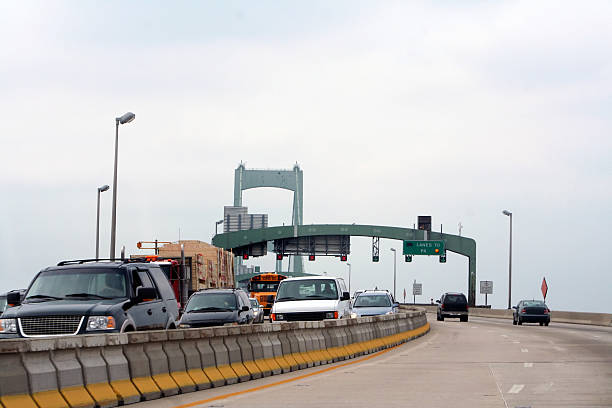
(520, 322)
(513, 321)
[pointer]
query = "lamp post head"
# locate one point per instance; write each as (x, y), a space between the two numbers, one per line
(103, 188)
(126, 118)
(506, 212)
(393, 249)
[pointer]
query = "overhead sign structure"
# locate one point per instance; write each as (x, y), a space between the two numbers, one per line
(423, 247)
(486, 287)
(544, 288)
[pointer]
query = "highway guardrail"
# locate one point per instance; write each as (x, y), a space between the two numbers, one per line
(106, 370)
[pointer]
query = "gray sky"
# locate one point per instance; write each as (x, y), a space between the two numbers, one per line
(392, 109)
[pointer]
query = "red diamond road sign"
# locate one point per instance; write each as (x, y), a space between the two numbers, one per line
(544, 288)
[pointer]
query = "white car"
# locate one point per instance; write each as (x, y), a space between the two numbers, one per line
(311, 298)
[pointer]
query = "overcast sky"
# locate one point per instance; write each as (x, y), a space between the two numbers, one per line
(456, 110)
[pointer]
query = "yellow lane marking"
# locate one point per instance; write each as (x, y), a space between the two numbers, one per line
(288, 380)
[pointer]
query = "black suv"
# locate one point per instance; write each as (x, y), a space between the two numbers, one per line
(85, 296)
(217, 307)
(452, 305)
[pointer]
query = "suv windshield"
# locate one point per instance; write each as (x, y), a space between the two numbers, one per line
(307, 289)
(264, 286)
(78, 283)
(455, 299)
(211, 302)
(372, 301)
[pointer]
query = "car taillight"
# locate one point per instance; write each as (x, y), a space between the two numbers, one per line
(442, 306)
(546, 311)
(523, 311)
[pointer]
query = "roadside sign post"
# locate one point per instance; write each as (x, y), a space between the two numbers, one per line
(544, 288)
(417, 289)
(486, 288)
(404, 295)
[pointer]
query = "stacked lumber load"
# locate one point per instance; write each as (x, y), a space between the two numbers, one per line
(212, 267)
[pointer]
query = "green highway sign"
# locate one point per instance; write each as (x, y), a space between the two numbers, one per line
(423, 247)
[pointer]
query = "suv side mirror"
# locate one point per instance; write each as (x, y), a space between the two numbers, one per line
(345, 296)
(245, 309)
(438, 301)
(145, 294)
(515, 307)
(13, 298)
(396, 304)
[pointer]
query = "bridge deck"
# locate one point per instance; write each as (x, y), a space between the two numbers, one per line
(483, 363)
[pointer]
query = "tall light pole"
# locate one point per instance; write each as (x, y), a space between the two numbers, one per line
(394, 270)
(100, 190)
(509, 214)
(349, 265)
(126, 118)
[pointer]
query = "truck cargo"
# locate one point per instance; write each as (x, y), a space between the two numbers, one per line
(206, 266)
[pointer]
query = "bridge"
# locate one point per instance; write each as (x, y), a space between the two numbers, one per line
(402, 360)
(326, 239)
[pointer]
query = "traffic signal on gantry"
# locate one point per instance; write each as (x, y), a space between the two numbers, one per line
(408, 258)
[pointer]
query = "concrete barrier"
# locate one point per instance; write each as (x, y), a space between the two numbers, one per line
(107, 370)
(594, 319)
(193, 360)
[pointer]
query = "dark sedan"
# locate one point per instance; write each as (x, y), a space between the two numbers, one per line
(531, 311)
(217, 307)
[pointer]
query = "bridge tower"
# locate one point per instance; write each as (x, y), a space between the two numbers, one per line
(292, 180)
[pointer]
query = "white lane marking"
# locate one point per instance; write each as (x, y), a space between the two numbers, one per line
(504, 335)
(516, 388)
(516, 342)
(501, 393)
(524, 350)
(528, 365)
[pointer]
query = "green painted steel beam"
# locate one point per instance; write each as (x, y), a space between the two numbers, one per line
(454, 243)
(292, 180)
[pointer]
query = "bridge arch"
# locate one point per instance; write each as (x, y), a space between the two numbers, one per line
(237, 241)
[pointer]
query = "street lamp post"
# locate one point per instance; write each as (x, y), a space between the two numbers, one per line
(509, 214)
(126, 118)
(100, 190)
(349, 265)
(394, 270)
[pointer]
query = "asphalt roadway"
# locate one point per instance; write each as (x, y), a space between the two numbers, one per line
(483, 363)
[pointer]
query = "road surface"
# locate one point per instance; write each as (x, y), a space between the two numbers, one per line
(483, 363)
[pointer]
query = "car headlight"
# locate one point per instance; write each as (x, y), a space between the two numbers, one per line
(277, 317)
(331, 315)
(8, 326)
(354, 315)
(231, 324)
(100, 323)
(184, 326)
(389, 312)
(255, 313)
